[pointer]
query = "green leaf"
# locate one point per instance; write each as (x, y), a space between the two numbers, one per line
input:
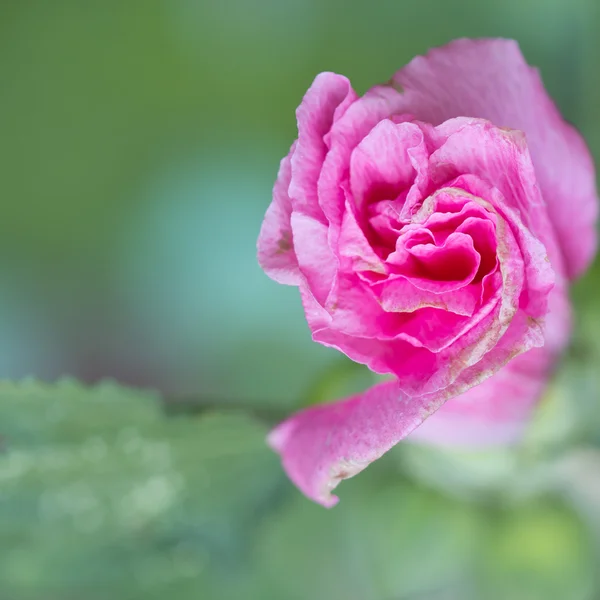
(97, 485)
(103, 496)
(540, 552)
(386, 539)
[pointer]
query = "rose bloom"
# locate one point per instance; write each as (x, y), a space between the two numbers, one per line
(432, 227)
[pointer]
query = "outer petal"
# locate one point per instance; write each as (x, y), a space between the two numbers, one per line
(490, 79)
(275, 245)
(296, 186)
(323, 445)
(325, 101)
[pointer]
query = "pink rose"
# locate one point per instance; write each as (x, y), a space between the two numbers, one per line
(432, 226)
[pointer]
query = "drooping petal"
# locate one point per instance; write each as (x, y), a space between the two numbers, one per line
(322, 445)
(490, 79)
(275, 244)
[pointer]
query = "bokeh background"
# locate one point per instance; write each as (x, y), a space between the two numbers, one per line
(139, 144)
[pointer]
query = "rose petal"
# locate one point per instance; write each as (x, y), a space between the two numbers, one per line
(483, 234)
(497, 411)
(398, 294)
(316, 261)
(438, 329)
(448, 267)
(355, 252)
(325, 444)
(328, 98)
(489, 78)
(345, 134)
(275, 244)
(442, 224)
(383, 163)
(493, 412)
(342, 328)
(476, 148)
(397, 343)
(354, 310)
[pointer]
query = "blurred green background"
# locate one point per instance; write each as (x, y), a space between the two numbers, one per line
(140, 141)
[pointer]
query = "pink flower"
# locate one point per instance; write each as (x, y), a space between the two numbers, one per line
(432, 226)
